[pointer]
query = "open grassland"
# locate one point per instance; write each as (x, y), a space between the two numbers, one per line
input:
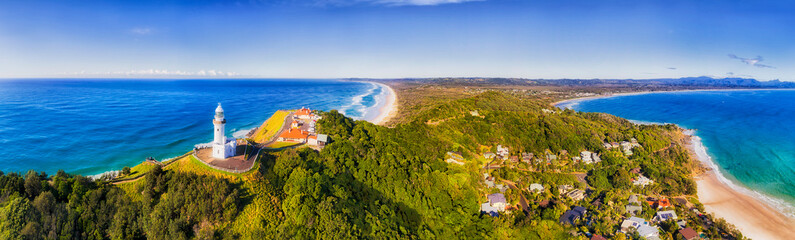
(270, 127)
(190, 164)
(138, 170)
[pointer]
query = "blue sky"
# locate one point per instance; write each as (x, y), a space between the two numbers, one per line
(397, 38)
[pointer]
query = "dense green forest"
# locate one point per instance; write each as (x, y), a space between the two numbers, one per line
(375, 182)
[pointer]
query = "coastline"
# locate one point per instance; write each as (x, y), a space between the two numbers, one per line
(388, 106)
(754, 217)
(567, 103)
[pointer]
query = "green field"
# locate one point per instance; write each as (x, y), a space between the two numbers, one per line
(270, 127)
(276, 145)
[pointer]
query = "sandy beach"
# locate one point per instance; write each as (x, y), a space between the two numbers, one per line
(389, 107)
(755, 218)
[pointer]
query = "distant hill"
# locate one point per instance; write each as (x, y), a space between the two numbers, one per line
(660, 83)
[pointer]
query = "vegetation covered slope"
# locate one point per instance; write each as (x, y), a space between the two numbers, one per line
(377, 182)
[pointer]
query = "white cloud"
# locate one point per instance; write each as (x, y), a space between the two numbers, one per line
(751, 61)
(388, 2)
(420, 2)
(141, 31)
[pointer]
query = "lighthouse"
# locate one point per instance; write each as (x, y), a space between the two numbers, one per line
(221, 147)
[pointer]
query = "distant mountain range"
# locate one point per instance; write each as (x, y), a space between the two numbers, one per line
(660, 83)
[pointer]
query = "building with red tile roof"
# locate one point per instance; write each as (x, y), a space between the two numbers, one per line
(293, 135)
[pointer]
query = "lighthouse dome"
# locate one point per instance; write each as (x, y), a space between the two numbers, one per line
(219, 112)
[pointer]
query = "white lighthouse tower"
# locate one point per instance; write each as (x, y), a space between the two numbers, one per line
(221, 147)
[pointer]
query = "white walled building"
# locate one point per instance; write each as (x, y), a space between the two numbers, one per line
(222, 147)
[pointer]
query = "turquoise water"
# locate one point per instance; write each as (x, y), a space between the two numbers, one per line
(93, 126)
(749, 134)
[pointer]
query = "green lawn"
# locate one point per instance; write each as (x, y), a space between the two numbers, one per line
(276, 145)
(191, 164)
(138, 170)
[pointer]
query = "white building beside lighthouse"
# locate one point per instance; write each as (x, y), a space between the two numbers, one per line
(222, 147)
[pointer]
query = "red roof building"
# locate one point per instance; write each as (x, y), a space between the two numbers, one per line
(303, 111)
(293, 135)
(598, 237)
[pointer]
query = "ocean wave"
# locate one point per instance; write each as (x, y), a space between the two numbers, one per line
(357, 104)
(241, 133)
(702, 154)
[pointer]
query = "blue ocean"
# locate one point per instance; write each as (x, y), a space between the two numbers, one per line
(749, 134)
(90, 126)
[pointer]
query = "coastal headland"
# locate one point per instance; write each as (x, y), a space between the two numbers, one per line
(456, 160)
(751, 212)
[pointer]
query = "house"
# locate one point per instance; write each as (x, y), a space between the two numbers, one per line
(304, 113)
(564, 188)
(658, 203)
(607, 146)
(576, 194)
(514, 158)
(598, 237)
(663, 216)
(641, 226)
(502, 151)
(536, 187)
(501, 187)
(318, 140)
(293, 135)
(641, 181)
(322, 139)
(681, 223)
(633, 209)
(496, 204)
(649, 232)
(688, 233)
(489, 155)
(585, 156)
(527, 157)
(296, 124)
(632, 222)
(489, 183)
(596, 158)
(626, 147)
(571, 216)
(633, 199)
(663, 203)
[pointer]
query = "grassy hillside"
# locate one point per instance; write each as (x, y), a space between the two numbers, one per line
(378, 182)
(270, 127)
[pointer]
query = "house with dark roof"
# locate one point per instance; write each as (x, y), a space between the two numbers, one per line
(496, 204)
(688, 233)
(571, 216)
(632, 209)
